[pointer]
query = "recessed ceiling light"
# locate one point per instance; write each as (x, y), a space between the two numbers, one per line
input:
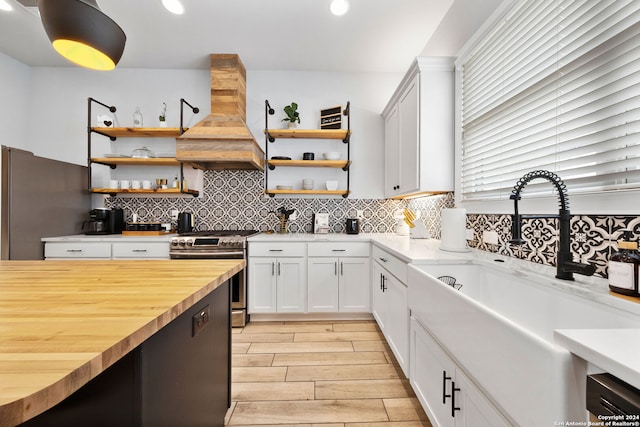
(339, 7)
(4, 5)
(173, 6)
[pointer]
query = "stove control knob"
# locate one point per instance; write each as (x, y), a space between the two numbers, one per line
(181, 242)
(174, 242)
(225, 243)
(189, 242)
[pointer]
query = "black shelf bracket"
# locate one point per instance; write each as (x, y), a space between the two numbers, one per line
(347, 112)
(112, 109)
(195, 110)
(268, 111)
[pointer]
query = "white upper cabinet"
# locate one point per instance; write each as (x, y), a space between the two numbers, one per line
(419, 130)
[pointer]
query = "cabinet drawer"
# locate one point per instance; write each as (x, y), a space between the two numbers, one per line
(278, 249)
(339, 249)
(394, 265)
(141, 250)
(77, 250)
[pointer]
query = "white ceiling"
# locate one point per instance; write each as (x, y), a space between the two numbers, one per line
(374, 36)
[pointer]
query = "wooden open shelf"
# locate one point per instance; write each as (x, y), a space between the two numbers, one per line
(143, 191)
(325, 192)
(138, 132)
(310, 163)
(130, 161)
(308, 133)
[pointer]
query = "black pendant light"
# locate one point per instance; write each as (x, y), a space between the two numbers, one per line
(80, 32)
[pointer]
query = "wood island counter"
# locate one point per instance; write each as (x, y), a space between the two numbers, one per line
(64, 323)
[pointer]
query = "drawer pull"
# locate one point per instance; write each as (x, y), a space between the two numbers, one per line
(74, 250)
(275, 250)
(338, 250)
(454, 408)
(445, 378)
(139, 250)
(383, 259)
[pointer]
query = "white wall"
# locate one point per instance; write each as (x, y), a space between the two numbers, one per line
(46, 109)
(15, 100)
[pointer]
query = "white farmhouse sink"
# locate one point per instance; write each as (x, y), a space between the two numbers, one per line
(499, 329)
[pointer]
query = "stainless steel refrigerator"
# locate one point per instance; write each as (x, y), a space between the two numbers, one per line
(39, 197)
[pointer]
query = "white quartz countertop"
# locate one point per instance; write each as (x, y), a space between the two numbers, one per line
(408, 249)
(108, 238)
(310, 237)
(616, 351)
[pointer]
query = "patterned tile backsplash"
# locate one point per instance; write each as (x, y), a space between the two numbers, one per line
(234, 200)
(594, 238)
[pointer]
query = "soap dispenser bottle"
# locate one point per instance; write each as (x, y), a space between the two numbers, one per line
(623, 266)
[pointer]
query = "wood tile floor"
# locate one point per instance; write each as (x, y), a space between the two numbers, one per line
(306, 373)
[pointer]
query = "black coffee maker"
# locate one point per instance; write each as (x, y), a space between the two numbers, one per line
(104, 221)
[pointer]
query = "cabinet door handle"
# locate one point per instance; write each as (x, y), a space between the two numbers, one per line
(445, 378)
(384, 283)
(335, 268)
(380, 281)
(273, 268)
(454, 408)
(341, 268)
(278, 268)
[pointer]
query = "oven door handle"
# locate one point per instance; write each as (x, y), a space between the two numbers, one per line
(208, 255)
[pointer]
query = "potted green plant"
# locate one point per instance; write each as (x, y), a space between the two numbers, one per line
(163, 116)
(293, 116)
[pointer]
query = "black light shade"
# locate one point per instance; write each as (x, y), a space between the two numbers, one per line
(80, 32)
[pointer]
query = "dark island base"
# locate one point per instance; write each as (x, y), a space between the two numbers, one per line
(172, 379)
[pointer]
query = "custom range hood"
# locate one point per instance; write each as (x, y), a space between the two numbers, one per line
(222, 140)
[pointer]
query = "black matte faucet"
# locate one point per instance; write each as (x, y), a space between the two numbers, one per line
(564, 259)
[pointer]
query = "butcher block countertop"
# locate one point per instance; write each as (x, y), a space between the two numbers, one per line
(64, 322)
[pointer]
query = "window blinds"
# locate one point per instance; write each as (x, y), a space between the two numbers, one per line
(556, 86)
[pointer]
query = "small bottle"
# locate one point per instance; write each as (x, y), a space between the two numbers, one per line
(176, 183)
(623, 266)
(137, 118)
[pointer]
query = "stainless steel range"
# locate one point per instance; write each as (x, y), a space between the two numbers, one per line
(219, 244)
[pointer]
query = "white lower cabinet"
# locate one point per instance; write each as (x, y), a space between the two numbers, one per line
(446, 393)
(276, 285)
(338, 284)
(140, 250)
(390, 305)
(106, 250)
(77, 250)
